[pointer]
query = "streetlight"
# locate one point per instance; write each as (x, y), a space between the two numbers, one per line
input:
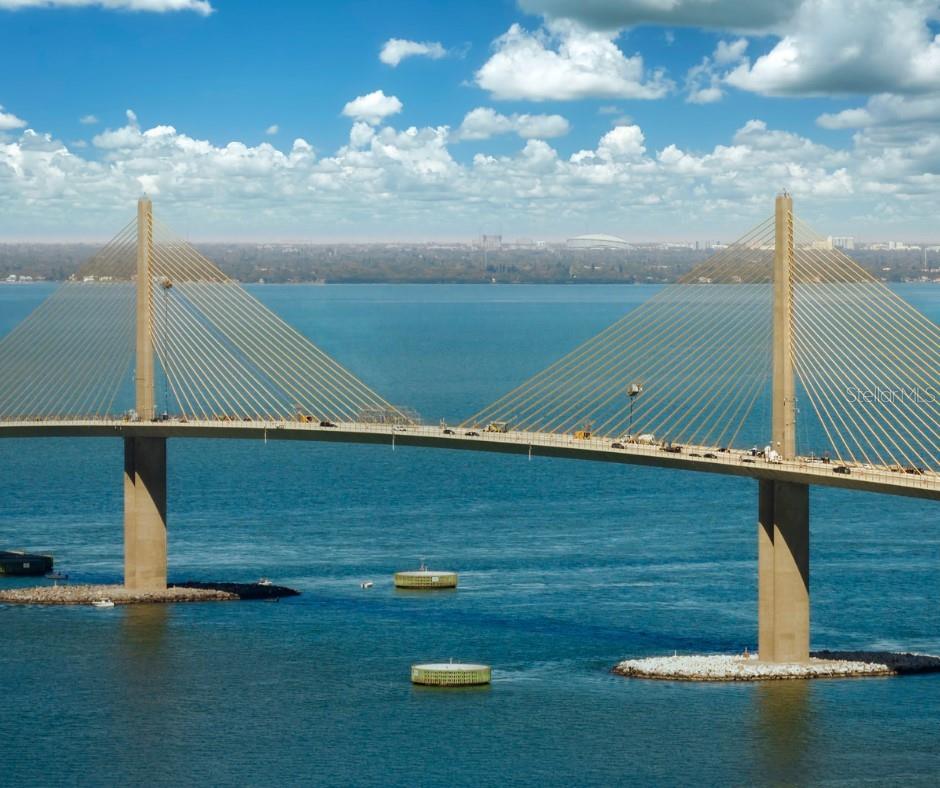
(633, 391)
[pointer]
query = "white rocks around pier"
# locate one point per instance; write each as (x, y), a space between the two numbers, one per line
(86, 594)
(822, 664)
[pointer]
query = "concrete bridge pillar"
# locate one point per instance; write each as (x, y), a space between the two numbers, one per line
(783, 571)
(145, 514)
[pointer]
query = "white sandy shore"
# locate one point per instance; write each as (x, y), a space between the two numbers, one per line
(822, 664)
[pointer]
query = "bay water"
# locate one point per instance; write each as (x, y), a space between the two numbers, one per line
(565, 568)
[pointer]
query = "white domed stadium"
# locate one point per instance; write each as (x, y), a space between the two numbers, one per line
(597, 242)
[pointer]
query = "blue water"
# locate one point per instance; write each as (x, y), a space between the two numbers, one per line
(566, 568)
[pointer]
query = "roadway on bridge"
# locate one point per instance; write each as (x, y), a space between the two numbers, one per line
(707, 459)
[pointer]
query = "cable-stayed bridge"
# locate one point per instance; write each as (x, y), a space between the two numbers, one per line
(150, 340)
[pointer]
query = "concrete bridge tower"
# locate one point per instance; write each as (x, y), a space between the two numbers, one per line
(145, 457)
(783, 507)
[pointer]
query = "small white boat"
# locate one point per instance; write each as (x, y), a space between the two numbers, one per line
(265, 582)
(102, 603)
(366, 584)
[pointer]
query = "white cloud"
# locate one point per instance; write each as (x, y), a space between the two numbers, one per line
(373, 107)
(125, 137)
(819, 47)
(563, 61)
(622, 142)
(887, 110)
(389, 182)
(203, 7)
(9, 121)
(483, 122)
(272, 129)
(361, 134)
(730, 51)
(703, 82)
(397, 49)
(716, 14)
(849, 46)
(88, 120)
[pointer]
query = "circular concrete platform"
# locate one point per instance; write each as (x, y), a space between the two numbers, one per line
(450, 674)
(425, 579)
(822, 664)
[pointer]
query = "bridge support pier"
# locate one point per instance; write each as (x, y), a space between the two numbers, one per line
(783, 571)
(145, 514)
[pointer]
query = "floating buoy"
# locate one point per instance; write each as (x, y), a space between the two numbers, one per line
(450, 674)
(423, 578)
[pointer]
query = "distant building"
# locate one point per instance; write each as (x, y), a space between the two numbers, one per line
(597, 242)
(842, 241)
(491, 241)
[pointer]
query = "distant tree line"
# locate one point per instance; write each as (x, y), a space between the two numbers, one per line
(433, 263)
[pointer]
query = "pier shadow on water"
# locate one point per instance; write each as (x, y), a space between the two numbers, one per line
(783, 730)
(143, 631)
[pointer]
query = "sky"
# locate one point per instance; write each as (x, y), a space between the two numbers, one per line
(372, 120)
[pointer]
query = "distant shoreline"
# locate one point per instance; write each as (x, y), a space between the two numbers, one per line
(439, 264)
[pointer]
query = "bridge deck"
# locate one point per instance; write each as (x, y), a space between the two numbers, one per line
(733, 463)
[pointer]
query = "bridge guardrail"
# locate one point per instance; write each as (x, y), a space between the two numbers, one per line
(734, 457)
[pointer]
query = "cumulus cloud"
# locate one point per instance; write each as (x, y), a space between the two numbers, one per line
(124, 137)
(819, 47)
(272, 129)
(9, 121)
(203, 7)
(563, 61)
(622, 142)
(730, 51)
(386, 181)
(721, 14)
(88, 120)
(849, 46)
(397, 49)
(483, 122)
(886, 110)
(373, 107)
(703, 83)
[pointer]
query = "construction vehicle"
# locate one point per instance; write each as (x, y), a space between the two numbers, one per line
(584, 433)
(497, 426)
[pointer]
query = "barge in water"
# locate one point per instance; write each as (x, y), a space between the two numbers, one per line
(15, 562)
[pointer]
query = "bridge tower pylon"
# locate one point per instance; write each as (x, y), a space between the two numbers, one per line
(145, 542)
(783, 507)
